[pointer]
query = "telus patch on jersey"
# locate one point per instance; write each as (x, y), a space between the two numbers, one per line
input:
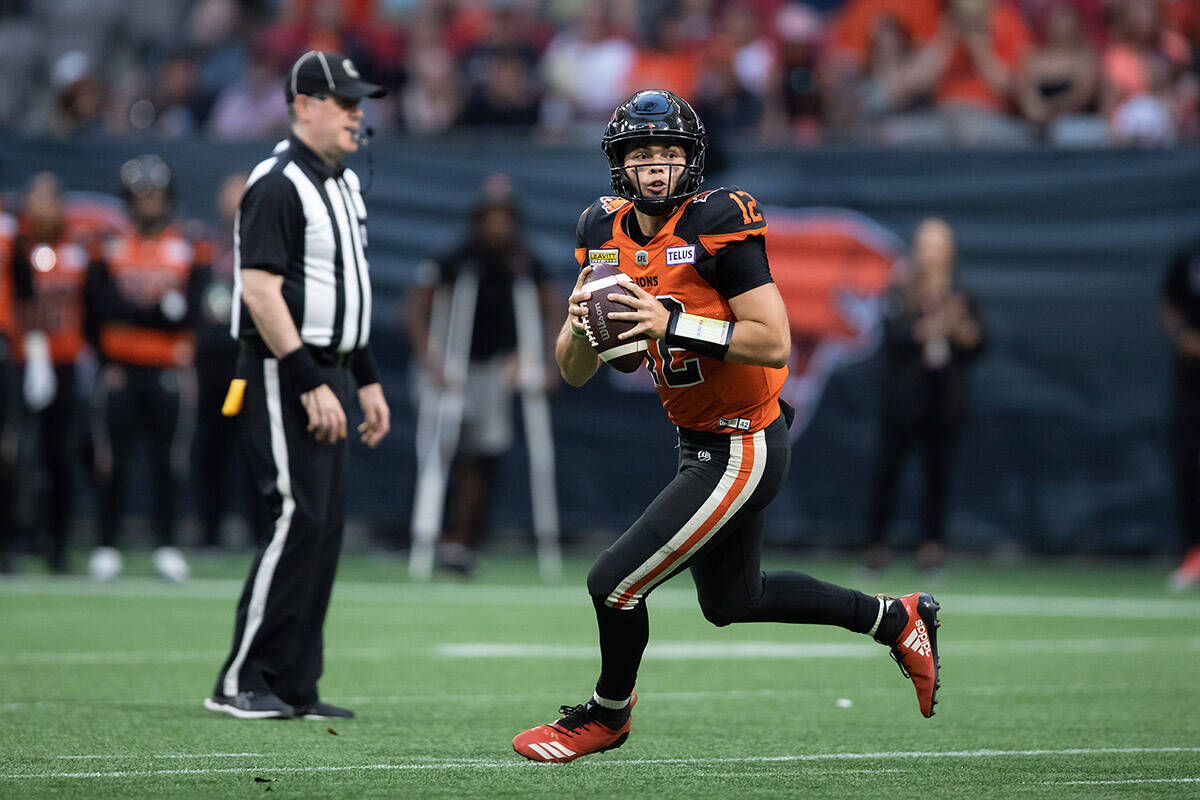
(681, 255)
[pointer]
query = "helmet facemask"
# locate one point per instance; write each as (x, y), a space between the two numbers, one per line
(655, 117)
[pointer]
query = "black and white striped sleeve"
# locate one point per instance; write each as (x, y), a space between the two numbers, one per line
(271, 224)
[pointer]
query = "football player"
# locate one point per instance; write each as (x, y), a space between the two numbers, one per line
(718, 352)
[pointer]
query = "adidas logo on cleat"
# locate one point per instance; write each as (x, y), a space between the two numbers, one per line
(918, 640)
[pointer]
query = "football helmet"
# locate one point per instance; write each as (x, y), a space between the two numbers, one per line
(658, 115)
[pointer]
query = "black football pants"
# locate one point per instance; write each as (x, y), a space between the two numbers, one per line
(277, 640)
(132, 402)
(710, 519)
(57, 451)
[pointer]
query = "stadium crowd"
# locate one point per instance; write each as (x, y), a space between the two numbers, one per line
(916, 72)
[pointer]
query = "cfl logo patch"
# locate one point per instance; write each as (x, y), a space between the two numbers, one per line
(681, 255)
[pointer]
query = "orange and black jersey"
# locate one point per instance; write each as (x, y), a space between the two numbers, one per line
(711, 250)
(129, 316)
(49, 274)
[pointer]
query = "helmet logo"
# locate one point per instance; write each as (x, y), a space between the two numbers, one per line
(651, 126)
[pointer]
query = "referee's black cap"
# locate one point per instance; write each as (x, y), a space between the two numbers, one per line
(326, 72)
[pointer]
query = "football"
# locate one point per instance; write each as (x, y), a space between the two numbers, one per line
(624, 355)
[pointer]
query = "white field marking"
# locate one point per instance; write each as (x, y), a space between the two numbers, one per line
(670, 651)
(53, 658)
(1123, 781)
(727, 694)
(662, 651)
(493, 764)
(666, 597)
(171, 755)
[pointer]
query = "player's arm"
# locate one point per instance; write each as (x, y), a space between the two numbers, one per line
(577, 361)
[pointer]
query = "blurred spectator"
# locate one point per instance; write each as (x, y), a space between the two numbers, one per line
(1059, 80)
(253, 107)
(343, 26)
(168, 111)
(735, 73)
(932, 334)
(215, 34)
(585, 68)
(216, 453)
(493, 254)
(432, 97)
(1181, 319)
(1091, 16)
(970, 67)
(49, 269)
(1149, 97)
(507, 97)
(856, 51)
(666, 56)
(77, 100)
(143, 298)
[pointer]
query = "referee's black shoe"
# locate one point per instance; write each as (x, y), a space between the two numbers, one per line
(251, 705)
(323, 710)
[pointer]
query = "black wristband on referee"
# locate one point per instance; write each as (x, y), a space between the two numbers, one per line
(301, 370)
(364, 369)
(702, 335)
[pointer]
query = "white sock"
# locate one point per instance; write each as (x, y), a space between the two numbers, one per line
(604, 702)
(883, 607)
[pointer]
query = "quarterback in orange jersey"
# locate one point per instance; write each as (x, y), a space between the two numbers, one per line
(702, 292)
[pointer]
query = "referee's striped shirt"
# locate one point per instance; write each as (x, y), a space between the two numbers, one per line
(304, 220)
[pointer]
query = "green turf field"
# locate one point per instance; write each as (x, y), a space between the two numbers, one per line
(1059, 681)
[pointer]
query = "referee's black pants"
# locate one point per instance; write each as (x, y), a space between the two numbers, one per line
(709, 519)
(277, 639)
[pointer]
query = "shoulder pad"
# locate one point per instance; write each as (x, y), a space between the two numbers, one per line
(724, 216)
(596, 220)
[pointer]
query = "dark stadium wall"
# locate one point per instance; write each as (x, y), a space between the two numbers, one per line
(1065, 448)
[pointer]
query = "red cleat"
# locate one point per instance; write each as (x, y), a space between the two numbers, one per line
(1189, 571)
(915, 649)
(577, 733)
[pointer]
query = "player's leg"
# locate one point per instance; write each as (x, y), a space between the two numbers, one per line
(732, 588)
(718, 476)
(164, 391)
(115, 431)
(58, 437)
(288, 467)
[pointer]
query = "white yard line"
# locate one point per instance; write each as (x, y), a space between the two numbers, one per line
(660, 651)
(495, 764)
(675, 597)
(673, 651)
(703, 695)
(169, 755)
(1120, 782)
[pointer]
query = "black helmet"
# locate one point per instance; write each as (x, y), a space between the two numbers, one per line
(655, 114)
(144, 174)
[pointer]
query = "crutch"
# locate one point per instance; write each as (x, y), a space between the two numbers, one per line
(439, 420)
(539, 437)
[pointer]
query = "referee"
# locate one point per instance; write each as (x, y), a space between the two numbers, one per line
(302, 310)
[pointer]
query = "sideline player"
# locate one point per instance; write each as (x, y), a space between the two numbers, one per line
(718, 356)
(143, 297)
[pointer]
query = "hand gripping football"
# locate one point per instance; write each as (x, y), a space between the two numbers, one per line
(624, 355)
